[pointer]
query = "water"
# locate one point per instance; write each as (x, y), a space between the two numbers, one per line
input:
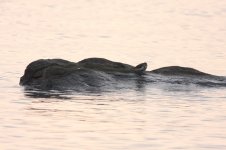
(162, 33)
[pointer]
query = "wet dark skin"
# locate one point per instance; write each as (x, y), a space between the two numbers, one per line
(91, 70)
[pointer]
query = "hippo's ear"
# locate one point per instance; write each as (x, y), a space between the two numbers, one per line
(141, 67)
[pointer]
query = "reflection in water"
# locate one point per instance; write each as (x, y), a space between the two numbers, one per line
(144, 85)
(46, 94)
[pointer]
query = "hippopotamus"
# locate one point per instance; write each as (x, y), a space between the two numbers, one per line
(59, 74)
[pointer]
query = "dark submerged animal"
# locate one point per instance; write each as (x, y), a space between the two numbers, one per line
(59, 74)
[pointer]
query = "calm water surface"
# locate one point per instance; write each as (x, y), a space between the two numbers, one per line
(162, 33)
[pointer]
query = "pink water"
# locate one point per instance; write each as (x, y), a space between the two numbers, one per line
(161, 33)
